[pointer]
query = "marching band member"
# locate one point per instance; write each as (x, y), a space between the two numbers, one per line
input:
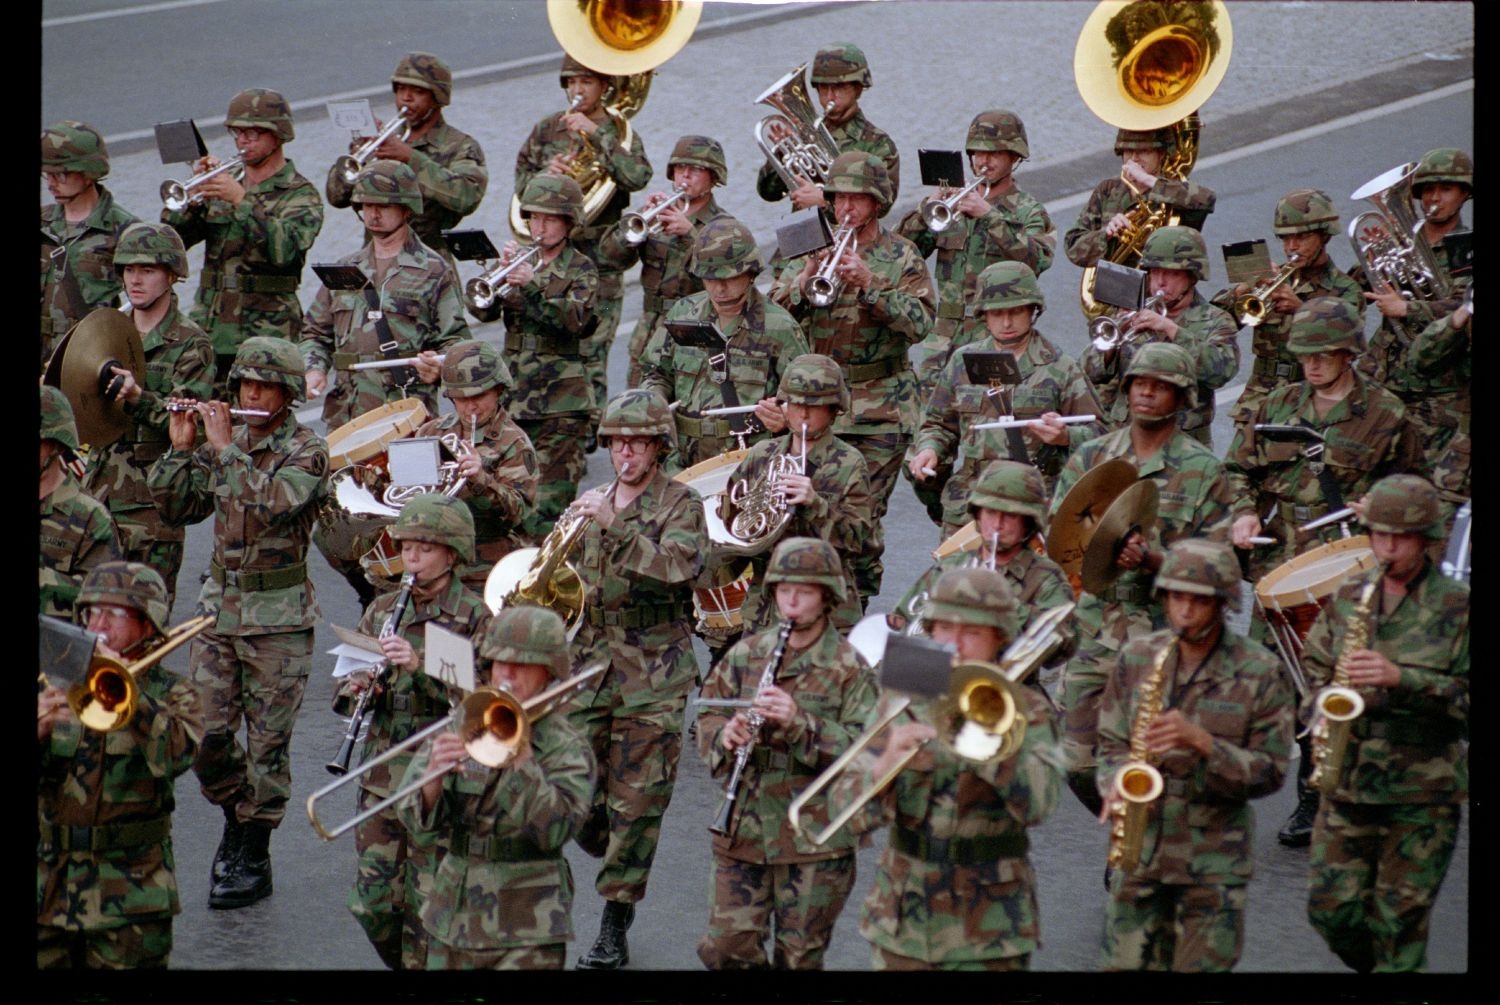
(1446, 346)
(77, 533)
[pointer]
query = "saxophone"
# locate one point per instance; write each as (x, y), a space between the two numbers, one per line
(1338, 704)
(1137, 784)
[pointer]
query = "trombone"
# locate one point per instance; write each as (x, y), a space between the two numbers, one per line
(938, 213)
(824, 286)
(639, 226)
(496, 729)
(1251, 308)
(175, 195)
(105, 700)
(349, 166)
(481, 292)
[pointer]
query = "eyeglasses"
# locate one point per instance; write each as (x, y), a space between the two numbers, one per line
(109, 612)
(235, 132)
(637, 444)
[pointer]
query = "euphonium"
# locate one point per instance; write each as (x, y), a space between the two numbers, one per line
(824, 286)
(1111, 333)
(1251, 308)
(1137, 784)
(1389, 243)
(1338, 704)
(809, 150)
(481, 292)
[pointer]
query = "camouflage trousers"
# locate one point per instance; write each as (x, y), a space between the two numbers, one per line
(803, 899)
(558, 442)
(259, 679)
(607, 305)
(884, 454)
(386, 897)
(551, 956)
(884, 959)
(142, 945)
(636, 751)
(1375, 873)
(1162, 926)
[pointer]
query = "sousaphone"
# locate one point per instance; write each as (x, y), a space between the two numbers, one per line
(81, 369)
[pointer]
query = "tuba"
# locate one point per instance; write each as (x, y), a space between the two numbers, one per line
(1388, 241)
(810, 149)
(1338, 704)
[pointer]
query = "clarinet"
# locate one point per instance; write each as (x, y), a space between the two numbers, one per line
(340, 763)
(721, 824)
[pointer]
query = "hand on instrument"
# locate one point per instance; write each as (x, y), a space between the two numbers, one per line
(1367, 668)
(51, 709)
(769, 412)
(1243, 529)
(674, 219)
(1171, 731)
(470, 464)
(775, 705)
(394, 148)
(777, 130)
(974, 205)
(1358, 506)
(182, 427)
(925, 461)
(806, 195)
(360, 681)
(427, 365)
(1134, 553)
(904, 739)
(736, 733)
(1389, 300)
(1140, 178)
(854, 272)
(399, 652)
(1156, 323)
(896, 622)
(560, 164)
(597, 506)
(216, 427)
(1050, 430)
(1116, 223)
(123, 385)
(222, 186)
(447, 752)
(1284, 301)
(798, 488)
(577, 122)
(522, 274)
(317, 380)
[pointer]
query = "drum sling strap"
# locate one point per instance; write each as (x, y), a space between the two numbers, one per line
(1001, 396)
(67, 279)
(1333, 496)
(719, 373)
(401, 376)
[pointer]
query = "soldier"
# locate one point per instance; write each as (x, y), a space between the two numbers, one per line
(578, 142)
(1305, 220)
(497, 464)
(840, 74)
(1446, 346)
(106, 886)
(78, 230)
(884, 305)
(769, 878)
(550, 309)
(448, 164)
(501, 894)
(1219, 735)
(256, 231)
(1387, 825)
(436, 537)
(1176, 261)
(830, 500)
(955, 889)
(1194, 500)
(642, 548)
(695, 167)
(262, 483)
(1052, 385)
(150, 258)
(762, 339)
(1002, 223)
(77, 532)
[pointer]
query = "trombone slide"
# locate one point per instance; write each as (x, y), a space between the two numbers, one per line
(794, 811)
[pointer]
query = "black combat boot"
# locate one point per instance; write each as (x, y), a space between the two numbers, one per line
(249, 877)
(229, 845)
(610, 951)
(1297, 831)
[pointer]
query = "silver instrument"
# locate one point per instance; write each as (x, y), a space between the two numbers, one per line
(481, 292)
(176, 195)
(809, 150)
(243, 413)
(1111, 333)
(1011, 422)
(639, 226)
(938, 213)
(350, 165)
(824, 286)
(1388, 242)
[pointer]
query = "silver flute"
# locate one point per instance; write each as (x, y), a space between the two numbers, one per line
(192, 406)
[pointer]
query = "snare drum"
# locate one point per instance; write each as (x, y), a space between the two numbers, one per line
(353, 512)
(363, 440)
(1295, 592)
(718, 607)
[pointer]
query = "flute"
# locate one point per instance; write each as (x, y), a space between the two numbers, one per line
(1011, 422)
(192, 406)
(391, 364)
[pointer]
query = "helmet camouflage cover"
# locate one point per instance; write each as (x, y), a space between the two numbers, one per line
(841, 63)
(1323, 324)
(74, 146)
(974, 597)
(1203, 567)
(144, 243)
(558, 195)
(261, 108)
(389, 183)
(424, 70)
(1142, 139)
(129, 584)
(860, 172)
(1444, 164)
(638, 412)
(1305, 210)
(525, 634)
(1404, 504)
(1008, 284)
(807, 560)
(1176, 248)
(1011, 487)
(271, 360)
(58, 423)
(572, 68)
(472, 367)
(998, 129)
(1168, 362)
(700, 151)
(437, 519)
(814, 379)
(725, 248)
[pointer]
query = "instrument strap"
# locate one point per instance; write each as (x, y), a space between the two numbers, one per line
(67, 279)
(731, 397)
(401, 376)
(1328, 484)
(1002, 398)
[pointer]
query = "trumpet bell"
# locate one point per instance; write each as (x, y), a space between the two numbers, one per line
(1137, 69)
(622, 37)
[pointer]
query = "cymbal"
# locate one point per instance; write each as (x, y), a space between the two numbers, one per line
(1133, 508)
(1082, 508)
(80, 369)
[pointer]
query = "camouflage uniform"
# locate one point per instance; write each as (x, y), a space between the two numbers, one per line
(179, 363)
(764, 868)
(501, 895)
(448, 163)
(1384, 837)
(253, 253)
(762, 342)
(1206, 331)
(88, 246)
(105, 886)
(77, 532)
(1442, 348)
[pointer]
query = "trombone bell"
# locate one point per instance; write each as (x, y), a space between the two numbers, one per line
(106, 699)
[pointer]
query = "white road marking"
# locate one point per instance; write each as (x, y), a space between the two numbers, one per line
(148, 8)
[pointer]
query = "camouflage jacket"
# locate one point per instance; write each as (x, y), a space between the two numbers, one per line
(264, 497)
(419, 298)
(451, 175)
(835, 691)
(90, 250)
(504, 492)
(503, 881)
(1200, 830)
(179, 363)
(760, 348)
(867, 332)
(110, 784)
(858, 133)
(1207, 332)
(77, 533)
(841, 513)
(664, 259)
(1385, 358)
(253, 255)
(1085, 243)
(949, 912)
(1411, 743)
(1443, 354)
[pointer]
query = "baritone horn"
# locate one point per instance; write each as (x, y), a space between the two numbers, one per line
(1388, 242)
(176, 195)
(808, 149)
(350, 165)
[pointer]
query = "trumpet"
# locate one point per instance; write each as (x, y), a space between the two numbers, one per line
(1111, 333)
(107, 697)
(243, 413)
(824, 287)
(481, 292)
(938, 213)
(639, 226)
(1251, 308)
(176, 195)
(349, 165)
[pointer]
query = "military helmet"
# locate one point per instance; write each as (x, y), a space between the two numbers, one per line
(841, 63)
(1323, 324)
(725, 248)
(74, 146)
(129, 584)
(437, 519)
(815, 379)
(1203, 567)
(473, 367)
(525, 634)
(974, 596)
(998, 129)
(1444, 164)
(860, 172)
(558, 195)
(1168, 362)
(807, 560)
(1303, 211)
(700, 151)
(1010, 487)
(1008, 284)
(424, 70)
(389, 183)
(572, 68)
(58, 423)
(1141, 139)
(144, 243)
(1404, 504)
(1176, 248)
(260, 108)
(638, 412)
(271, 360)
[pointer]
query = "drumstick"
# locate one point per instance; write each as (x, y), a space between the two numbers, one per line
(1261, 542)
(1338, 516)
(728, 410)
(390, 364)
(1011, 422)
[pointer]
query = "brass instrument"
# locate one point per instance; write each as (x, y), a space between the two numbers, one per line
(349, 165)
(481, 292)
(938, 213)
(1338, 704)
(340, 763)
(105, 700)
(639, 226)
(1138, 784)
(1251, 308)
(723, 823)
(760, 511)
(809, 149)
(177, 195)
(450, 483)
(824, 286)
(1388, 240)
(1112, 332)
